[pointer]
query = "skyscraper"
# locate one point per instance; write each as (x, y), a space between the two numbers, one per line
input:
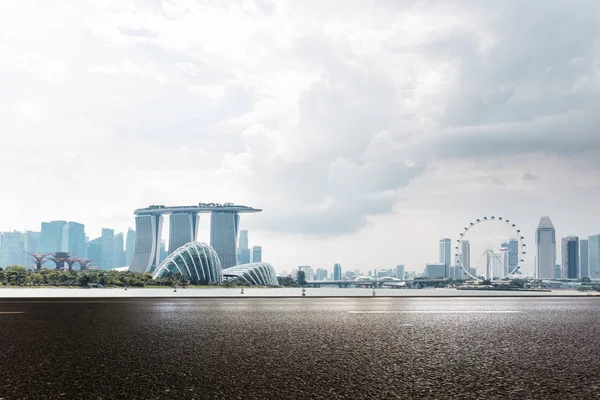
(446, 254)
(465, 256)
(400, 273)
(51, 236)
(337, 272)
(11, 249)
(584, 271)
(257, 254)
(129, 246)
(243, 252)
(163, 251)
(73, 239)
(243, 239)
(223, 236)
(108, 237)
(594, 256)
(94, 251)
(513, 255)
(570, 257)
(31, 242)
(118, 258)
(545, 239)
(183, 229)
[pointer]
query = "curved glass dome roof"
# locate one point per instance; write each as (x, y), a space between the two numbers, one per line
(195, 261)
(253, 274)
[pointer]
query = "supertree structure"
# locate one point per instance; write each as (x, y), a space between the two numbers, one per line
(83, 262)
(39, 259)
(70, 263)
(60, 258)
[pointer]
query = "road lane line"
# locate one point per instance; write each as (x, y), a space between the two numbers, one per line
(438, 312)
(11, 312)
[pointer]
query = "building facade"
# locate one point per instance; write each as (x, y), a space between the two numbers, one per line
(256, 254)
(51, 236)
(223, 236)
(594, 256)
(400, 272)
(465, 256)
(183, 229)
(147, 243)
(129, 246)
(108, 237)
(337, 272)
(118, 258)
(545, 240)
(584, 271)
(436, 270)
(570, 257)
(73, 239)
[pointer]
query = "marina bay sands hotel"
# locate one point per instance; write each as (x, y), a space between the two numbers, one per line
(183, 228)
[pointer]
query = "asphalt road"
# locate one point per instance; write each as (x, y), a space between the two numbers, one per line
(300, 348)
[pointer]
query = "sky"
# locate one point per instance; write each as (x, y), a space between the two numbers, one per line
(366, 131)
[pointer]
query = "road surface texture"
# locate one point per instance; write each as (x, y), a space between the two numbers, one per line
(300, 348)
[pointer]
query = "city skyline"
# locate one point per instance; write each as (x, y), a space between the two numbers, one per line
(108, 247)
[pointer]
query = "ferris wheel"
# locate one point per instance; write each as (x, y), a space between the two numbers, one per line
(490, 248)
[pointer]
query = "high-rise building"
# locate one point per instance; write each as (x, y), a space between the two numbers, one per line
(570, 257)
(147, 243)
(244, 239)
(257, 254)
(465, 255)
(108, 237)
(558, 271)
(337, 272)
(163, 251)
(513, 255)
(594, 256)
(11, 249)
(118, 258)
(243, 252)
(129, 246)
(584, 271)
(51, 236)
(94, 251)
(183, 229)
(446, 254)
(436, 270)
(223, 236)
(400, 272)
(545, 240)
(73, 239)
(321, 274)
(31, 242)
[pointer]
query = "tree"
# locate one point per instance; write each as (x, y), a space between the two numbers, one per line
(486, 282)
(301, 278)
(520, 283)
(286, 281)
(15, 275)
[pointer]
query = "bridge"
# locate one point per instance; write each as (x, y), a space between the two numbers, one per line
(409, 283)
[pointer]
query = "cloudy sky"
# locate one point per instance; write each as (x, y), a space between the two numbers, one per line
(365, 133)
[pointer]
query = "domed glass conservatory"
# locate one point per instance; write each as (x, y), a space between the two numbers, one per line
(195, 261)
(252, 274)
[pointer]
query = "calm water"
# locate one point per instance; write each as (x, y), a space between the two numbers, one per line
(276, 292)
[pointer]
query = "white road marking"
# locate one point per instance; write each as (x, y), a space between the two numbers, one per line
(437, 312)
(12, 312)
